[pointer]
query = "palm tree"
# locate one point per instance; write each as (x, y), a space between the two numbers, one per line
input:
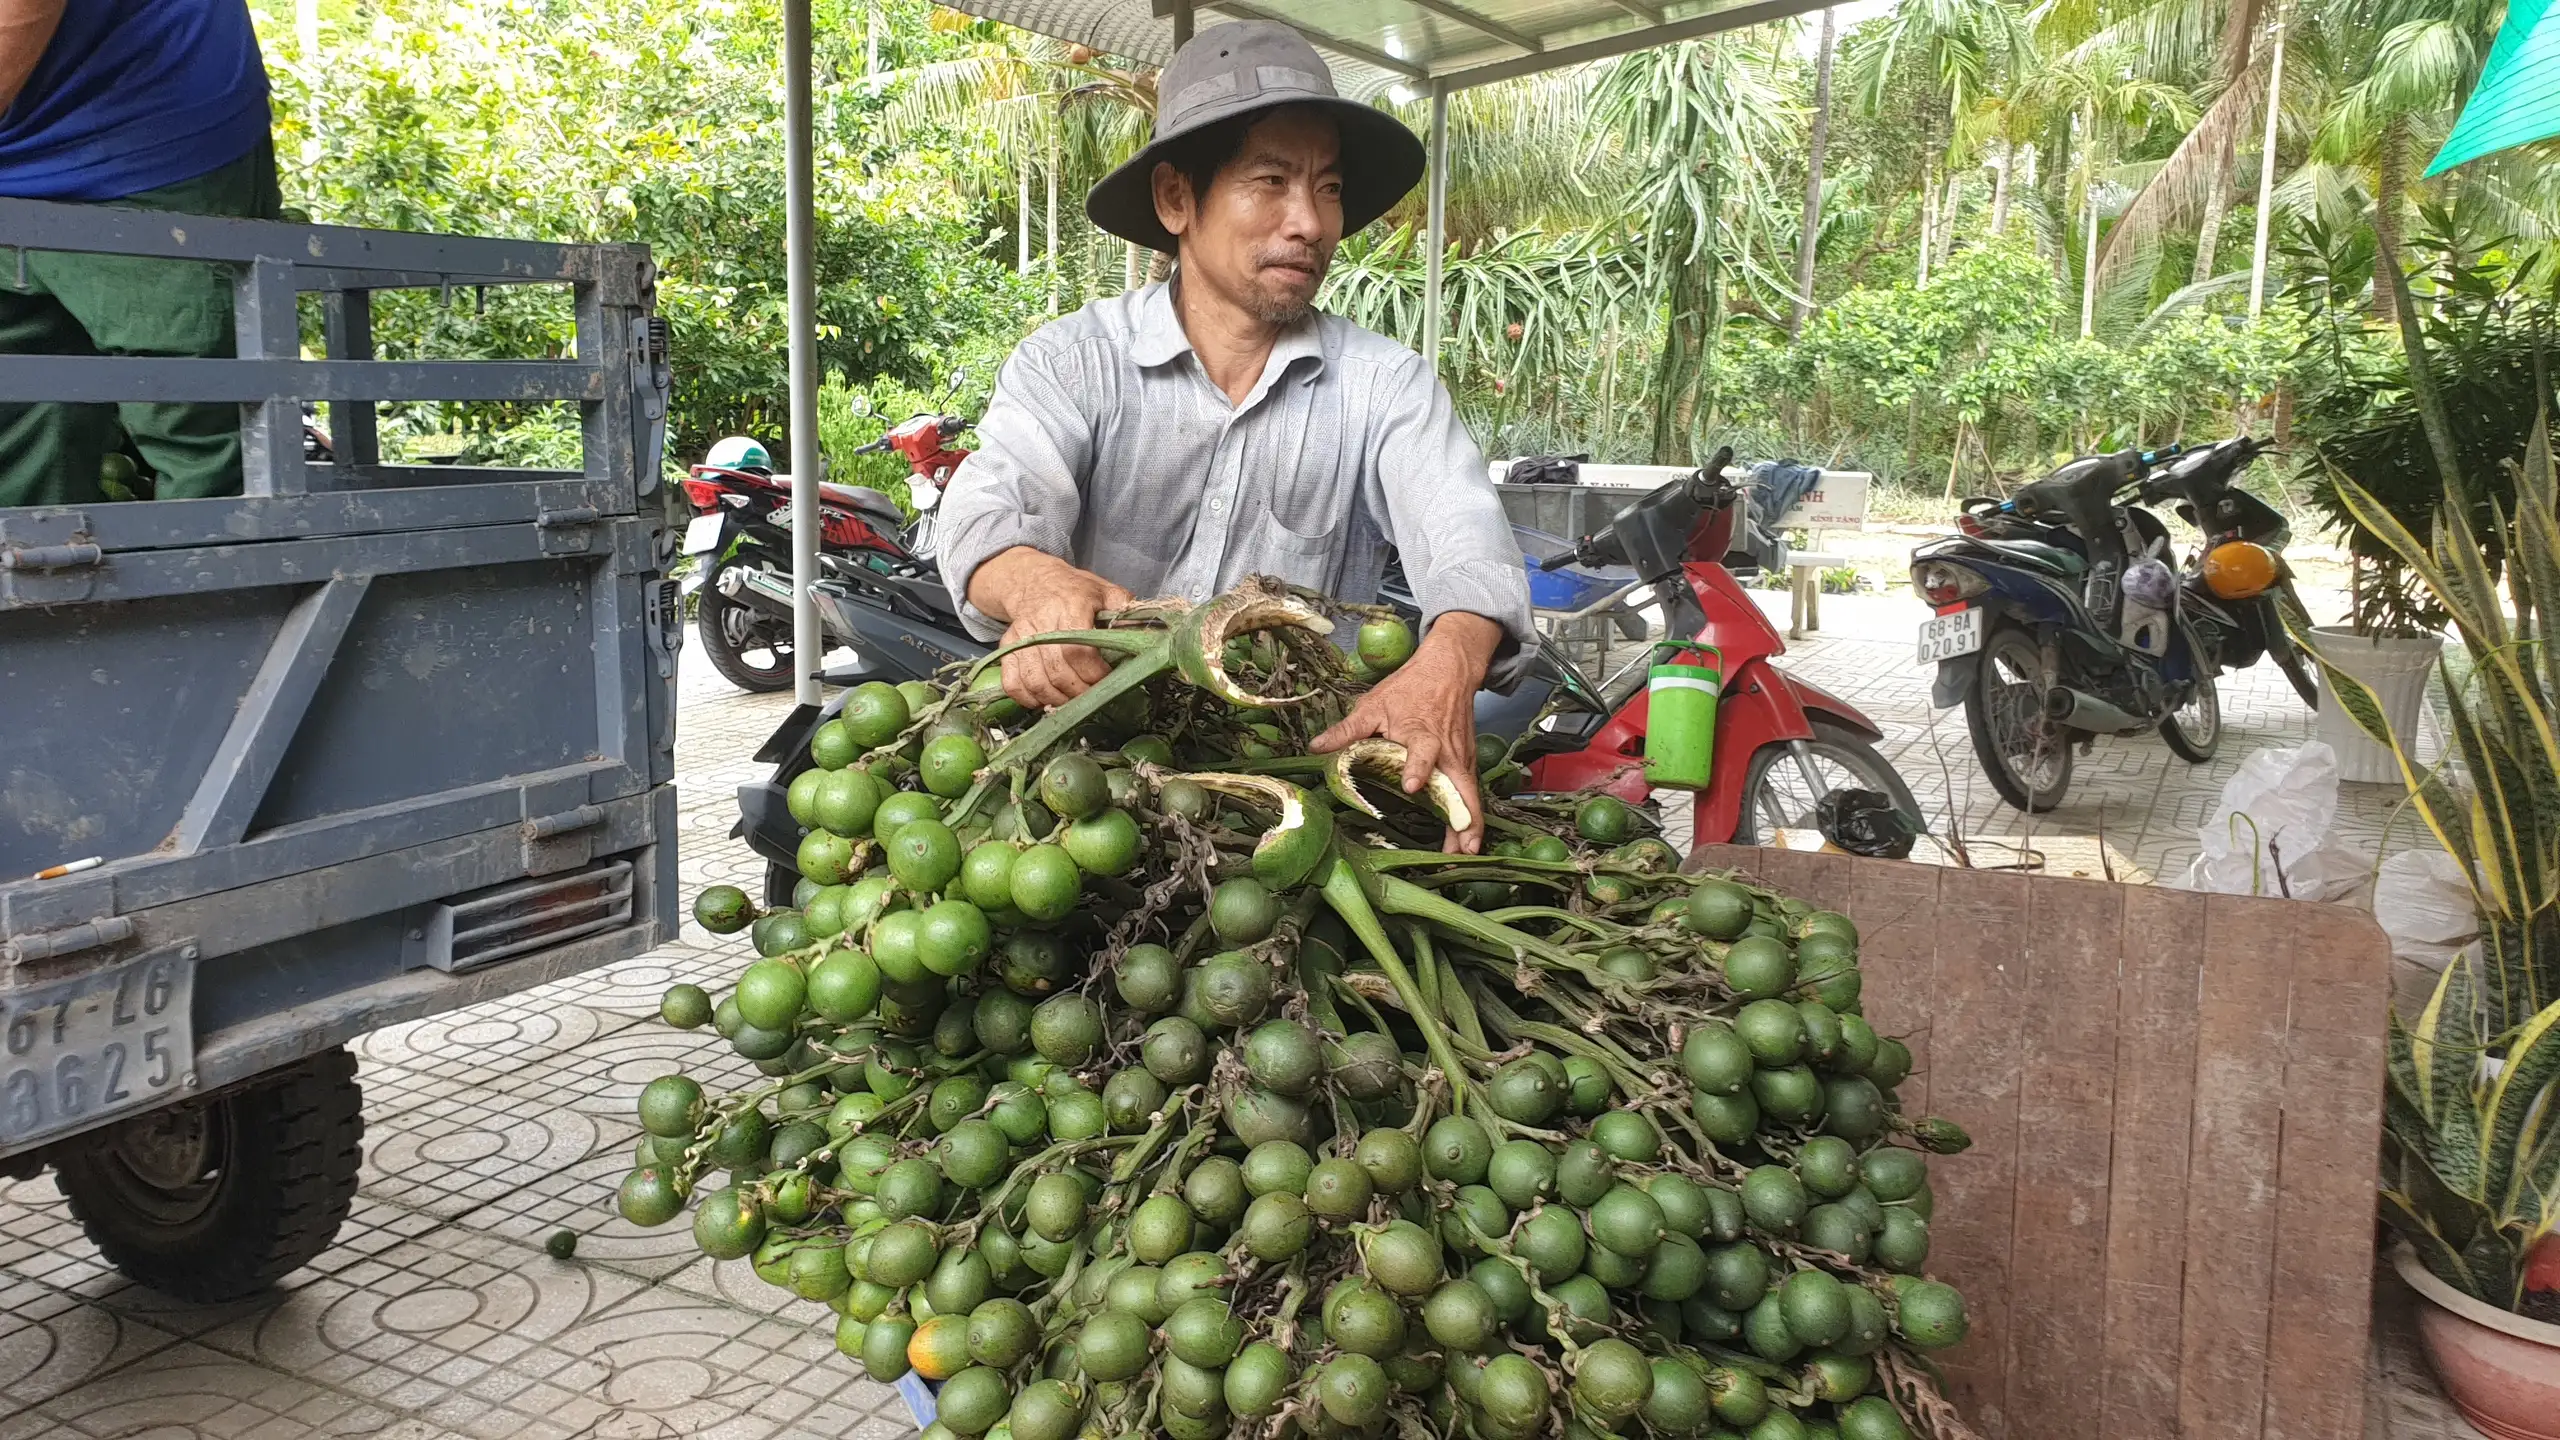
(1963, 46)
(1809, 232)
(2102, 97)
(1018, 102)
(1692, 120)
(2426, 56)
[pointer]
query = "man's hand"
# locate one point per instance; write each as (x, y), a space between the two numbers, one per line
(1429, 707)
(1034, 593)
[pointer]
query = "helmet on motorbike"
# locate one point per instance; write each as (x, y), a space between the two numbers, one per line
(2148, 582)
(2238, 569)
(740, 453)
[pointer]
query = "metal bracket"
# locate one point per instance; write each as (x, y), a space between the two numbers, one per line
(652, 381)
(663, 615)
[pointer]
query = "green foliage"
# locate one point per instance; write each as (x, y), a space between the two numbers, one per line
(653, 121)
(2473, 1149)
(2487, 320)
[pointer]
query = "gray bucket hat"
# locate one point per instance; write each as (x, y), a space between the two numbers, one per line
(1242, 68)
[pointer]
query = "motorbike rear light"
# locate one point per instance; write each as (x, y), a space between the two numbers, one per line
(704, 494)
(1968, 524)
(1943, 584)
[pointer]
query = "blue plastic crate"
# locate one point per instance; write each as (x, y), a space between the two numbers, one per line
(1570, 588)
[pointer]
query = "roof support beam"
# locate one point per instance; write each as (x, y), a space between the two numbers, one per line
(1517, 40)
(1693, 28)
(1649, 14)
(1356, 51)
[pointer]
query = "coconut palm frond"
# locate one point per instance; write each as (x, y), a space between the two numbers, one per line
(2170, 37)
(2177, 192)
(2187, 298)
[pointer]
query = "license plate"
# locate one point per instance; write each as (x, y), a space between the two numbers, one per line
(78, 1050)
(1949, 636)
(702, 535)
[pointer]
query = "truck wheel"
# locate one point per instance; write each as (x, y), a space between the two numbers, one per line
(214, 1199)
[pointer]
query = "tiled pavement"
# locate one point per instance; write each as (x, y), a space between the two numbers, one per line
(438, 1314)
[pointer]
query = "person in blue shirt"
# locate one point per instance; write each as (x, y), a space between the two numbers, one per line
(153, 104)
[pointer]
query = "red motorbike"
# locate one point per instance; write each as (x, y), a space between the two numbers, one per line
(1782, 743)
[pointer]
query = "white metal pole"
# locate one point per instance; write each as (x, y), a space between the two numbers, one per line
(2267, 173)
(1435, 229)
(800, 278)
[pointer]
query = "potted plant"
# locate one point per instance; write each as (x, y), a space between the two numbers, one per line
(2472, 1109)
(2361, 429)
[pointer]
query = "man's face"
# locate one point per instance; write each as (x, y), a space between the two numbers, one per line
(1263, 235)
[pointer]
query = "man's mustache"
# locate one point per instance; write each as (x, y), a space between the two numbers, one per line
(1299, 256)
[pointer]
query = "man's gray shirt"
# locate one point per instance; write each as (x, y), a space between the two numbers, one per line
(1107, 445)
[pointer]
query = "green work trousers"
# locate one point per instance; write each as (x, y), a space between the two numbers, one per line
(61, 303)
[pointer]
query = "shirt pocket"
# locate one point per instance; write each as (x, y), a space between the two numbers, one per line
(1282, 537)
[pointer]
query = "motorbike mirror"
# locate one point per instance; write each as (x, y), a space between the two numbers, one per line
(862, 407)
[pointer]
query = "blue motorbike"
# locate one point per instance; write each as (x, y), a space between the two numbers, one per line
(2063, 615)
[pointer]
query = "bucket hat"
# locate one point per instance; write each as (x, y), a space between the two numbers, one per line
(1244, 68)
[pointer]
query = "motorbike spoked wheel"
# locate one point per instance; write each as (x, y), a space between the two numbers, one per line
(749, 648)
(2194, 730)
(1778, 795)
(2026, 757)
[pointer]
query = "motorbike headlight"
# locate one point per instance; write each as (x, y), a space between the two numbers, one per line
(1942, 584)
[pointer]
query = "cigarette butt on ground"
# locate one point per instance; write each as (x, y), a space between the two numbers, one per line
(73, 868)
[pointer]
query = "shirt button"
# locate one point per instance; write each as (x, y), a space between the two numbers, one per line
(1217, 504)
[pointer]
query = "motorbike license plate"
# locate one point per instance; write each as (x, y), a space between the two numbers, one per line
(702, 534)
(1948, 636)
(78, 1050)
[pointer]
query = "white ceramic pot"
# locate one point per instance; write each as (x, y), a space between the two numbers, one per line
(2396, 670)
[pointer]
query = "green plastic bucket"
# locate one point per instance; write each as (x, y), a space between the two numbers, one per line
(1680, 722)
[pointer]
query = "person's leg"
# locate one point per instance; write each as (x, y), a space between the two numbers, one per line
(134, 306)
(49, 453)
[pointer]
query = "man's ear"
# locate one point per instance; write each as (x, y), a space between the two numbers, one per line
(1173, 198)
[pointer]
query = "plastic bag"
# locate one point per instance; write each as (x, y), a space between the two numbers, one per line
(2424, 904)
(1865, 822)
(2271, 833)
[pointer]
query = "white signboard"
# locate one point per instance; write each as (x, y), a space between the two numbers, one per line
(1837, 502)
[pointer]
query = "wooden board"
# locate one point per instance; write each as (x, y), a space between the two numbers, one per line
(2165, 1224)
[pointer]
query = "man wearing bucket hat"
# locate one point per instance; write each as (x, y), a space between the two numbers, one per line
(1177, 438)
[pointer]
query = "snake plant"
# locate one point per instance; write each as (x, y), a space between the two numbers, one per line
(2472, 1117)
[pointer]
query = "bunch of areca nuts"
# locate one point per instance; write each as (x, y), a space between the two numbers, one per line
(1128, 1070)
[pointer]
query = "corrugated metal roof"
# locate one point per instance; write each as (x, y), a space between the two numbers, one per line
(1374, 45)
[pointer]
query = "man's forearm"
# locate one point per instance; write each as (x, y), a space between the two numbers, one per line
(1003, 580)
(26, 28)
(1473, 639)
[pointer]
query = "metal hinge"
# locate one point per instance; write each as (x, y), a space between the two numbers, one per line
(50, 557)
(565, 530)
(69, 940)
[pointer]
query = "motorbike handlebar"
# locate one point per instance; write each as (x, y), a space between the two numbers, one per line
(1559, 560)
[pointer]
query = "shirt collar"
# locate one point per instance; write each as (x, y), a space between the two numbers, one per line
(1160, 338)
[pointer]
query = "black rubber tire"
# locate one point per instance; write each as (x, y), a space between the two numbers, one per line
(2011, 787)
(277, 1177)
(2185, 746)
(710, 625)
(1846, 748)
